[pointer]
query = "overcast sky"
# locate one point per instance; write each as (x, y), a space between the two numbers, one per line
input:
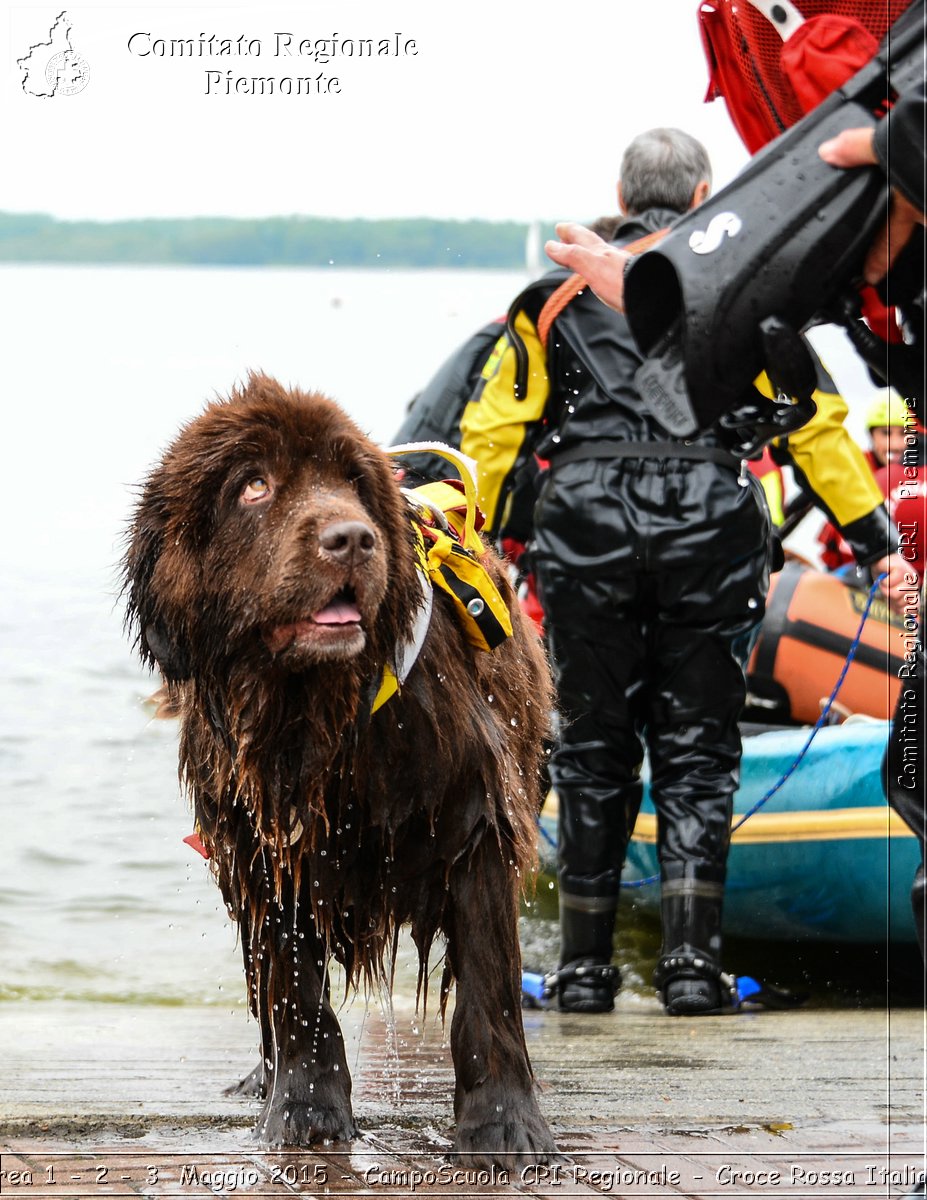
(507, 110)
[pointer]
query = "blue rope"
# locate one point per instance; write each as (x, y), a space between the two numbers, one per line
(851, 654)
(546, 836)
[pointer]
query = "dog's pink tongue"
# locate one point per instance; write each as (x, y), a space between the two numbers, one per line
(337, 613)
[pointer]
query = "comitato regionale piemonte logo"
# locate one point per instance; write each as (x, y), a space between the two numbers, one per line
(54, 68)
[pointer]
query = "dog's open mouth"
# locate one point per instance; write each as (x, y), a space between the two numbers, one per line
(336, 626)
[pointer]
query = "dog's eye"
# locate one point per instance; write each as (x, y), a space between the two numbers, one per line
(256, 489)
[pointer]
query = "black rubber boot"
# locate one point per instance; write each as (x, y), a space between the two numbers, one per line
(689, 972)
(919, 905)
(587, 982)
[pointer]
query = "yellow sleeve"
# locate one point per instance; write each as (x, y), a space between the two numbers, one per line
(772, 489)
(830, 460)
(495, 424)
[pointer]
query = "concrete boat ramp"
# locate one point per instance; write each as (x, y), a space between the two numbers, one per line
(114, 1100)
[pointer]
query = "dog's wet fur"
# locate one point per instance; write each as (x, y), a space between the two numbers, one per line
(270, 575)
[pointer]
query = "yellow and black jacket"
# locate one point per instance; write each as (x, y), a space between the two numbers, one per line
(551, 389)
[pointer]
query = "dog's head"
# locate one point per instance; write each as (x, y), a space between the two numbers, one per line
(272, 535)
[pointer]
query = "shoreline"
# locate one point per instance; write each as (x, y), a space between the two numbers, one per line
(135, 1097)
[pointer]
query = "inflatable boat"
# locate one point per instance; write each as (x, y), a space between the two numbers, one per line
(824, 858)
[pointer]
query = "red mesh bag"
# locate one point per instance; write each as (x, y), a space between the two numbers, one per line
(769, 83)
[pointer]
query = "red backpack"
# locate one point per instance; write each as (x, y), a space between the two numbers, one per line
(772, 61)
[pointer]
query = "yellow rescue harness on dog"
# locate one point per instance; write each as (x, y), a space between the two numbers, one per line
(445, 520)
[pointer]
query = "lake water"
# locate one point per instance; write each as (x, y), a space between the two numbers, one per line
(99, 898)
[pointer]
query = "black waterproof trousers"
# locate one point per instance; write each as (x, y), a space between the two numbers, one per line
(653, 577)
(904, 769)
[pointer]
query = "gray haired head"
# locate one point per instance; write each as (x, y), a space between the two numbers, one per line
(661, 169)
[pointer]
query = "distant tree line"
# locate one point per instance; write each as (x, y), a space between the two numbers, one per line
(271, 241)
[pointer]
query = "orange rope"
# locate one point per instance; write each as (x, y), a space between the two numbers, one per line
(572, 286)
(556, 303)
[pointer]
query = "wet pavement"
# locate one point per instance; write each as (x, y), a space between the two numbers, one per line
(113, 1100)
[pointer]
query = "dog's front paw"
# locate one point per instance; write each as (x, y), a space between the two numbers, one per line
(252, 1085)
(496, 1127)
(293, 1123)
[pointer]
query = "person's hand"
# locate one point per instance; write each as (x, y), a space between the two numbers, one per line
(851, 148)
(600, 264)
(896, 585)
(856, 148)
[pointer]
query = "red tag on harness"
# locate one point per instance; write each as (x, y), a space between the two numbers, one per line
(194, 840)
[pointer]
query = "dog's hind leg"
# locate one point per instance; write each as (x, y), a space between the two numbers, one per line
(498, 1118)
(307, 1083)
(253, 1085)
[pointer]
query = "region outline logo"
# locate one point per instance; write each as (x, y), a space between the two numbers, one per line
(54, 68)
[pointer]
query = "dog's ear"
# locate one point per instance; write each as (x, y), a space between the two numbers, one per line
(166, 652)
(157, 641)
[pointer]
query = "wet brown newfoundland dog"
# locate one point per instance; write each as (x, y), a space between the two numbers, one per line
(271, 575)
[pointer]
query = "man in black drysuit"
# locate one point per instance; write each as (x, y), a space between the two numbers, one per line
(652, 561)
(652, 570)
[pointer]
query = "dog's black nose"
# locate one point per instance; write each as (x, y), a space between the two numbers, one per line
(348, 541)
